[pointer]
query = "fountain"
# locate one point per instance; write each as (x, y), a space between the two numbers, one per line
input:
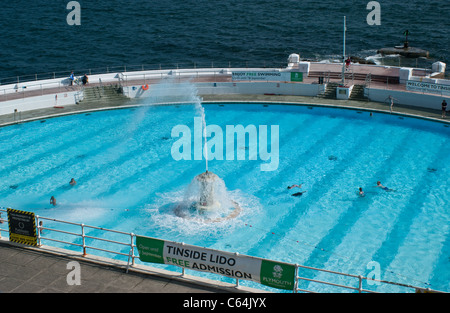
(207, 198)
(206, 195)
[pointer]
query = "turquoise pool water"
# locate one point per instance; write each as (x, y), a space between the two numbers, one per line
(128, 180)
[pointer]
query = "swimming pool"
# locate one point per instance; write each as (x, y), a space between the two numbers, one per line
(127, 180)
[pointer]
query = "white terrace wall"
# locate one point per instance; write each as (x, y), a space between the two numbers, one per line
(256, 88)
(38, 102)
(406, 98)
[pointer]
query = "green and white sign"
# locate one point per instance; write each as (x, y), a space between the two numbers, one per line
(270, 273)
(296, 76)
(267, 76)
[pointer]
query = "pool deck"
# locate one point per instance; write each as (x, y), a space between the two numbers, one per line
(83, 106)
(26, 269)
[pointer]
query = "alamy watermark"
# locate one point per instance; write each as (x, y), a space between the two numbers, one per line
(257, 147)
(74, 16)
(74, 276)
(374, 16)
(375, 273)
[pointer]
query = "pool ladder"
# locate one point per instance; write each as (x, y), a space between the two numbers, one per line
(17, 116)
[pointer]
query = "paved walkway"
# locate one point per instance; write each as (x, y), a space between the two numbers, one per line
(24, 270)
(85, 105)
(369, 105)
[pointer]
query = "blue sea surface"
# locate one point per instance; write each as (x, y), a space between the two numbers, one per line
(36, 37)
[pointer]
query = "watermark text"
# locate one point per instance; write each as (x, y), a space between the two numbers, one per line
(235, 137)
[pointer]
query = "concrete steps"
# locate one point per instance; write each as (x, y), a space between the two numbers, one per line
(358, 93)
(103, 94)
(330, 91)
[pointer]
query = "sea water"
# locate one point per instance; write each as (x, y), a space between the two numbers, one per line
(37, 39)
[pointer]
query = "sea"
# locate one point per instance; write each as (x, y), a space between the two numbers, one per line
(117, 35)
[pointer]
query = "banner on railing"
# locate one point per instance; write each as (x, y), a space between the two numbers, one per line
(267, 76)
(427, 87)
(270, 273)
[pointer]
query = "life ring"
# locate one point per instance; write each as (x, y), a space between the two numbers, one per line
(144, 87)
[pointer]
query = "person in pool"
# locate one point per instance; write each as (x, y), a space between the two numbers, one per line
(72, 182)
(297, 194)
(293, 186)
(53, 201)
(383, 187)
(361, 192)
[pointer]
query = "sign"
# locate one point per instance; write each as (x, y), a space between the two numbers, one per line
(22, 227)
(270, 273)
(296, 76)
(267, 76)
(427, 87)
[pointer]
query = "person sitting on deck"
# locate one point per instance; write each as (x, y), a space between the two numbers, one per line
(85, 79)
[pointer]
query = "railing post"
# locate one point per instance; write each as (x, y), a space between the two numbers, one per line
(360, 283)
(39, 231)
(132, 250)
(83, 239)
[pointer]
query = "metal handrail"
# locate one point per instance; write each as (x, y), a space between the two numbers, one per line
(121, 79)
(128, 68)
(131, 256)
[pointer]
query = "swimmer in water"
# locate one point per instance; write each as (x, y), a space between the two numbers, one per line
(72, 182)
(298, 194)
(53, 201)
(361, 192)
(383, 187)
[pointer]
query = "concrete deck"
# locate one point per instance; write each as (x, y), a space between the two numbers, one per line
(28, 270)
(8, 119)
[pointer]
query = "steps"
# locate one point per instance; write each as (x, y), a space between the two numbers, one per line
(330, 91)
(358, 93)
(103, 94)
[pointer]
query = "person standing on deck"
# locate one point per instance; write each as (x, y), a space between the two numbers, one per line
(444, 108)
(71, 78)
